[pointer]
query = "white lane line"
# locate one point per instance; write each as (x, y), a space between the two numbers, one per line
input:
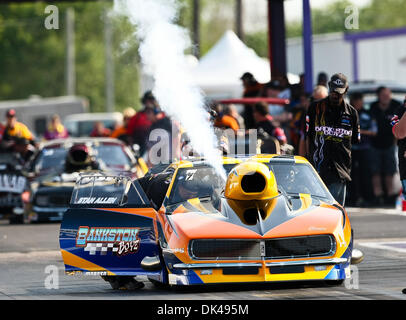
(374, 211)
(391, 245)
(32, 255)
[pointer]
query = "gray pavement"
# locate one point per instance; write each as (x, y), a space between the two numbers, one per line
(30, 253)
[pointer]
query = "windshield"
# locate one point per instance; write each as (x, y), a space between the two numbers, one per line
(196, 182)
(110, 155)
(297, 178)
(202, 181)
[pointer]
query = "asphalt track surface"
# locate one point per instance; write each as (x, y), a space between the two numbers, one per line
(29, 253)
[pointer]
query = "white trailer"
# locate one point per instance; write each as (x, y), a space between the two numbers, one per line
(36, 112)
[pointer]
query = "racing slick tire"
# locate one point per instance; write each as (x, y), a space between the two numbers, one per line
(123, 282)
(158, 284)
(16, 219)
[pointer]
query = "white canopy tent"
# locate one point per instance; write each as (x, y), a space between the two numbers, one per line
(219, 70)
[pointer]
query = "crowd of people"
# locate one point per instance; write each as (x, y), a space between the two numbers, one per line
(368, 166)
(369, 163)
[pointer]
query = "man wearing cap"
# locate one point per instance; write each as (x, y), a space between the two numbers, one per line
(332, 126)
(14, 129)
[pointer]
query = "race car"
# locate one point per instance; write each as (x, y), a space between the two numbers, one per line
(272, 220)
(13, 187)
(57, 165)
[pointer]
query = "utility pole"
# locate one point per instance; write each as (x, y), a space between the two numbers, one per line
(307, 46)
(109, 63)
(70, 52)
(196, 28)
(239, 19)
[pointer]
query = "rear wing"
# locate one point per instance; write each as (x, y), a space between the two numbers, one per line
(108, 191)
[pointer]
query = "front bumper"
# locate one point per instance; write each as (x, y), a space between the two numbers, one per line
(260, 271)
(46, 213)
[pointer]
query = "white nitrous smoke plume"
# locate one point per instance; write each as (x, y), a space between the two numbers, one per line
(162, 47)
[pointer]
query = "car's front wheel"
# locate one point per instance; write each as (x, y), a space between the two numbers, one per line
(123, 282)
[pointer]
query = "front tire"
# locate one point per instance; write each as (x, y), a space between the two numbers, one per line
(158, 284)
(17, 219)
(123, 282)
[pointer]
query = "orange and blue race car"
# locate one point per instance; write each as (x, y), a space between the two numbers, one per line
(272, 220)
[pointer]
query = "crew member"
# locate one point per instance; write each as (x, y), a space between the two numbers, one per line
(16, 137)
(332, 126)
(122, 131)
(15, 129)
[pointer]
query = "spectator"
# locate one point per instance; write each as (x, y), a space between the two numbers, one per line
(231, 110)
(16, 137)
(272, 89)
(139, 125)
(322, 79)
(297, 89)
(252, 88)
(319, 92)
(264, 121)
(99, 130)
(286, 92)
(298, 123)
(332, 126)
(224, 121)
(383, 164)
(14, 129)
(55, 129)
(360, 188)
(399, 131)
(121, 131)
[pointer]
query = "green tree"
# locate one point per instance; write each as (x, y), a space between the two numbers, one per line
(32, 58)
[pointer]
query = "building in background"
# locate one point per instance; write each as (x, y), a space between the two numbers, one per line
(374, 55)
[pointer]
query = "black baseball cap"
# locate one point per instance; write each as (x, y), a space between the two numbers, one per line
(338, 83)
(247, 76)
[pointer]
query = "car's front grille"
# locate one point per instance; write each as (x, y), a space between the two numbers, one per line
(280, 248)
(297, 247)
(60, 200)
(227, 248)
(52, 200)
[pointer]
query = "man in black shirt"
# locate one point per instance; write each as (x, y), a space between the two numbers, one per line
(332, 126)
(383, 164)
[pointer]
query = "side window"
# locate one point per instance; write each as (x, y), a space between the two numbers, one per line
(108, 191)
